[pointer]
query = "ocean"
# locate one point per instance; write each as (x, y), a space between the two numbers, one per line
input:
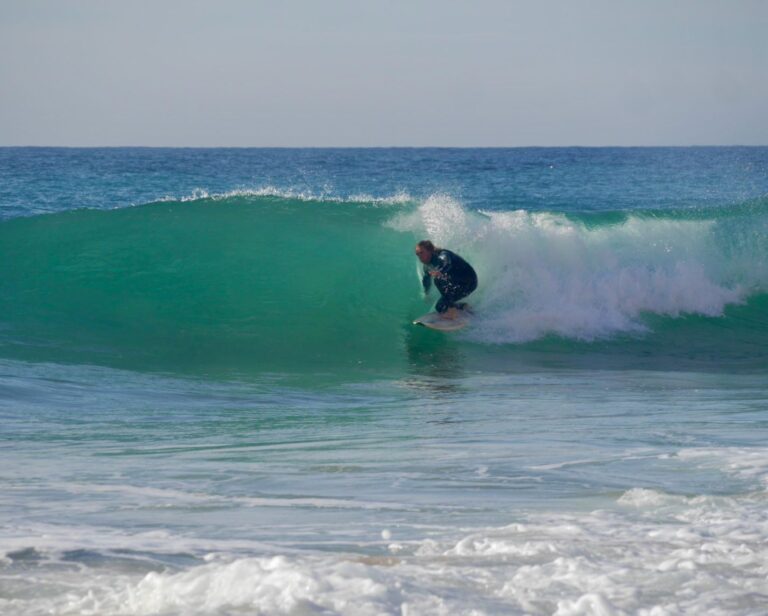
(213, 399)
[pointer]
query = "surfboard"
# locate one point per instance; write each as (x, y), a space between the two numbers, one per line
(434, 320)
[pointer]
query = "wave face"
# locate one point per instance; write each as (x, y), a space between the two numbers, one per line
(275, 283)
(272, 282)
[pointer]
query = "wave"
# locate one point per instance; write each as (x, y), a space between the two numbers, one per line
(279, 282)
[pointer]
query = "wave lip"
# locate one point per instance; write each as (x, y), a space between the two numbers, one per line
(329, 196)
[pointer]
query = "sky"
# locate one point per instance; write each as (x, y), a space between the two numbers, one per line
(363, 73)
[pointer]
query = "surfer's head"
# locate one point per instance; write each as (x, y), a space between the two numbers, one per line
(425, 250)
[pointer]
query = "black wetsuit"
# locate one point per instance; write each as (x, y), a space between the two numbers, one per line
(457, 279)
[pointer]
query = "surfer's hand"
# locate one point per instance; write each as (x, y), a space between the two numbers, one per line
(436, 274)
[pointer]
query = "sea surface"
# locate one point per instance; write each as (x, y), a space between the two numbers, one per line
(213, 401)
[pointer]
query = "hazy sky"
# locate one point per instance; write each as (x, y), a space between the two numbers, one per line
(378, 73)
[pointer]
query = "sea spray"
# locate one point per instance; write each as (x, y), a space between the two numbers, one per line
(548, 273)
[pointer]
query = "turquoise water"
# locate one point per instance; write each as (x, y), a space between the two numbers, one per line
(212, 399)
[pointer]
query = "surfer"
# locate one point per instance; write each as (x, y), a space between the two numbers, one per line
(454, 277)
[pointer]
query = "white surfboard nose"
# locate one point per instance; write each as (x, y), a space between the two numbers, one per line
(440, 322)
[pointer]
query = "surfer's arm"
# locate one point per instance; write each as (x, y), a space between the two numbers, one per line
(443, 267)
(426, 281)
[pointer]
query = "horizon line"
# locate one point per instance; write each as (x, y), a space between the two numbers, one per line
(371, 147)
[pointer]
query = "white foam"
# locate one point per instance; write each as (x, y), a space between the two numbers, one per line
(644, 497)
(656, 553)
(543, 273)
(399, 198)
(750, 463)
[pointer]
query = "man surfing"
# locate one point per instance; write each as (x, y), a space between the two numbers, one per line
(453, 276)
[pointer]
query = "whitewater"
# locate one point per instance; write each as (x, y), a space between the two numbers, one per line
(212, 399)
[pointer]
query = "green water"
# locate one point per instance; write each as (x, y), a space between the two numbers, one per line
(257, 285)
(270, 285)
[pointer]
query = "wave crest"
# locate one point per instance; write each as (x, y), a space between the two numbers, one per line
(199, 194)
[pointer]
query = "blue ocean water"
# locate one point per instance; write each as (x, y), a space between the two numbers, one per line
(212, 399)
